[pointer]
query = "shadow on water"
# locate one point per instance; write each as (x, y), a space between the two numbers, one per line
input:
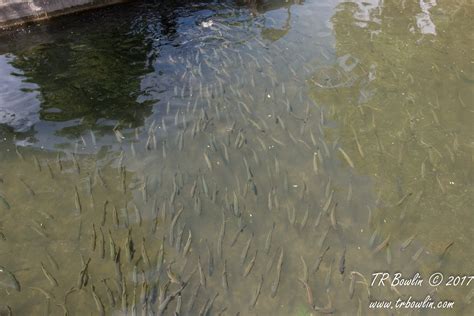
(261, 158)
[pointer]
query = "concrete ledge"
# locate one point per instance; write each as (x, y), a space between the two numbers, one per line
(16, 12)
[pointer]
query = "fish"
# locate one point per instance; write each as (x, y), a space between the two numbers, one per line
(220, 238)
(250, 264)
(237, 234)
(253, 186)
(39, 228)
(102, 244)
(256, 295)
(77, 200)
(417, 254)
(268, 240)
(197, 205)
(400, 202)
(407, 242)
(8, 279)
(309, 292)
(93, 238)
(349, 192)
(276, 282)
(37, 163)
(193, 189)
(192, 300)
(373, 237)
(51, 173)
(328, 202)
(342, 262)
(364, 281)
(226, 154)
(327, 189)
(359, 147)
(58, 162)
(247, 168)
(112, 247)
(163, 149)
(236, 205)
(389, 255)
(382, 245)
(145, 257)
(225, 282)
(304, 277)
(319, 260)
(269, 201)
(104, 213)
(115, 214)
(245, 250)
(124, 298)
(327, 280)
(128, 245)
(138, 215)
(204, 186)
(323, 238)
(333, 216)
(352, 286)
(164, 303)
(51, 260)
(445, 251)
(313, 139)
(207, 307)
(4, 202)
(187, 246)
(174, 278)
(317, 221)
(423, 168)
(49, 276)
(144, 294)
(255, 157)
(47, 294)
(179, 302)
(324, 310)
(101, 179)
(160, 257)
(440, 184)
(76, 164)
(83, 274)
(19, 154)
(315, 164)
(208, 161)
(98, 302)
(28, 188)
(202, 276)
(118, 135)
(210, 260)
(172, 225)
(110, 294)
(291, 215)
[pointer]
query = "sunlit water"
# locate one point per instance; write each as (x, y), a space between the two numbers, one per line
(223, 158)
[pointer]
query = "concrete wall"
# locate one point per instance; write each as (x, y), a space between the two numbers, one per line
(16, 12)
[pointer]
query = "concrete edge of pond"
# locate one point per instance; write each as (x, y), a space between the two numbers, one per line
(18, 12)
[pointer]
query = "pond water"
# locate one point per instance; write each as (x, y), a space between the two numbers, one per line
(223, 158)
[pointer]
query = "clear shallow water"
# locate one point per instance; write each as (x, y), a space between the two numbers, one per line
(270, 116)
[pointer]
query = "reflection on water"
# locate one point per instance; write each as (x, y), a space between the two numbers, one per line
(20, 106)
(73, 76)
(219, 158)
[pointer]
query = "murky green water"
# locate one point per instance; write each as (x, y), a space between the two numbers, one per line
(207, 158)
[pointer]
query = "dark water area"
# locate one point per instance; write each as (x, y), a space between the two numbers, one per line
(225, 157)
